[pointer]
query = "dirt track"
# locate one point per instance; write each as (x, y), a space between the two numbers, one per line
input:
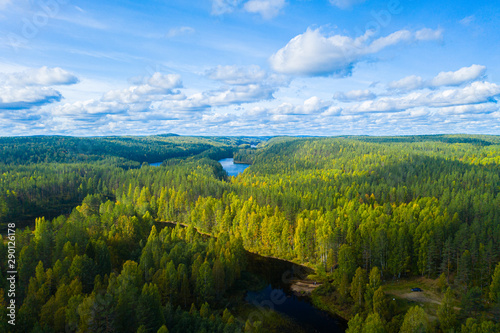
(421, 297)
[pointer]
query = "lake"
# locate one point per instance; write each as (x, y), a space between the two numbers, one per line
(233, 169)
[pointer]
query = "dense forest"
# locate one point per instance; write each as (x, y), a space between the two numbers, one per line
(368, 214)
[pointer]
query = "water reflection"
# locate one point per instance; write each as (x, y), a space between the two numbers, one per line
(233, 169)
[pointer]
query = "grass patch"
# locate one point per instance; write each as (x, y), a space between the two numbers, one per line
(429, 298)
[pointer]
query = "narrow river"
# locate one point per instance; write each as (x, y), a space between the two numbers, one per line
(279, 275)
(278, 296)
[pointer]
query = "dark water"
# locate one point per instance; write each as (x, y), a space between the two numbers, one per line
(278, 296)
(231, 168)
(298, 309)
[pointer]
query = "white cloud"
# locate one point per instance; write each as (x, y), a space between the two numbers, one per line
(344, 4)
(474, 93)
(315, 54)
(464, 74)
(158, 97)
(456, 78)
(179, 31)
(236, 75)
(203, 101)
(216, 118)
(32, 87)
(354, 95)
(167, 82)
(157, 87)
(393, 39)
(81, 10)
(429, 34)
(220, 7)
(311, 106)
(468, 20)
(245, 103)
(26, 97)
(411, 82)
(92, 107)
(266, 8)
(469, 109)
(136, 98)
(43, 76)
(332, 111)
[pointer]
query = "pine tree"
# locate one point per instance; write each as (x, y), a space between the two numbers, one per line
(355, 325)
(495, 286)
(379, 302)
(149, 308)
(163, 329)
(373, 324)
(446, 313)
(205, 285)
(415, 321)
(358, 286)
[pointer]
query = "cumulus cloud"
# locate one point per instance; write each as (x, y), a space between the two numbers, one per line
(216, 118)
(26, 97)
(474, 93)
(217, 98)
(159, 97)
(315, 54)
(179, 31)
(134, 99)
(43, 76)
(93, 107)
(469, 109)
(464, 74)
(280, 116)
(354, 95)
(266, 8)
(456, 78)
(33, 87)
(157, 87)
(245, 103)
(344, 4)
(311, 106)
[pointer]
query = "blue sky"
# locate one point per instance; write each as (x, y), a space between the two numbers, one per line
(249, 67)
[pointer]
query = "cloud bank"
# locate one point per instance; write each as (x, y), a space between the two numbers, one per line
(246, 102)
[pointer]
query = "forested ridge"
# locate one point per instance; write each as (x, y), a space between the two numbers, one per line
(363, 211)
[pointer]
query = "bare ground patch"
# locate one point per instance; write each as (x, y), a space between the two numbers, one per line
(304, 287)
